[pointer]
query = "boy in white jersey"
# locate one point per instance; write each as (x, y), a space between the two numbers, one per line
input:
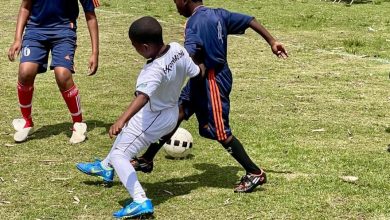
(152, 114)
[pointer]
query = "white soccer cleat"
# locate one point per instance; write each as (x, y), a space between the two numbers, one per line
(79, 133)
(18, 124)
(21, 133)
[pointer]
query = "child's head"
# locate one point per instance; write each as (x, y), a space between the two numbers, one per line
(186, 7)
(146, 36)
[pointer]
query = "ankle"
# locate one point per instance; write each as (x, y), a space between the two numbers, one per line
(29, 122)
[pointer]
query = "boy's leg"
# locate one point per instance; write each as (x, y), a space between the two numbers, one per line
(63, 50)
(218, 87)
(234, 147)
(26, 78)
(145, 162)
(126, 173)
(69, 92)
(127, 145)
(153, 149)
(141, 205)
(33, 60)
(254, 175)
(25, 87)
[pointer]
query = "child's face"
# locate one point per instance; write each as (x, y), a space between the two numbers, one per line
(181, 6)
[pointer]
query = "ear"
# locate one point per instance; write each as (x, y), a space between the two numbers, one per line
(146, 47)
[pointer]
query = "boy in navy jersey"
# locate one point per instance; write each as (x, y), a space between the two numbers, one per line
(206, 40)
(50, 26)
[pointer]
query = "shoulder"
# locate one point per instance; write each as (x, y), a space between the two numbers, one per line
(175, 46)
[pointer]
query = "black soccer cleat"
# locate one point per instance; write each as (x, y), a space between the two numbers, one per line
(140, 164)
(250, 181)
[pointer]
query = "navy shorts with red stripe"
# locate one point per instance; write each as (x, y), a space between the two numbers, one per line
(209, 101)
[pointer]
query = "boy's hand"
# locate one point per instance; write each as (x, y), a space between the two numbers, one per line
(93, 65)
(116, 128)
(279, 50)
(14, 50)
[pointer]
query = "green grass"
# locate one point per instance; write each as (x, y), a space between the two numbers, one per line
(336, 79)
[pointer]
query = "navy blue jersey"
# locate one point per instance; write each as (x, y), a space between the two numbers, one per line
(207, 29)
(57, 13)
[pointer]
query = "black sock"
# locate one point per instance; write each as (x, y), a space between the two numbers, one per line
(152, 150)
(235, 148)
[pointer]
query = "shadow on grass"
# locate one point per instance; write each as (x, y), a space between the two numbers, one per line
(278, 171)
(100, 183)
(65, 127)
(212, 176)
(348, 2)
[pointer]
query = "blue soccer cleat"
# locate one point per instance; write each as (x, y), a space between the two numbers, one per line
(96, 169)
(135, 209)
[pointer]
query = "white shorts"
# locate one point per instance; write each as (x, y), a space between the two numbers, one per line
(145, 128)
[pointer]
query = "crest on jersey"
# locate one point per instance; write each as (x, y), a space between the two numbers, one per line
(142, 85)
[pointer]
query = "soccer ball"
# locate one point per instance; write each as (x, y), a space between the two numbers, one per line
(180, 144)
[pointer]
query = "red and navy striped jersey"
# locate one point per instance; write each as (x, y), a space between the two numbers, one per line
(57, 13)
(207, 29)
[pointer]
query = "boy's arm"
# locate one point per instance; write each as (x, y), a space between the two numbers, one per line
(276, 47)
(24, 13)
(140, 100)
(94, 34)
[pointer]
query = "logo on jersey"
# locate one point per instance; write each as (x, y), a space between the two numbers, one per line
(219, 29)
(174, 59)
(142, 85)
(26, 51)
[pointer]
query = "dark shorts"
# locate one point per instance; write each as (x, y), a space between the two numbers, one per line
(209, 101)
(38, 43)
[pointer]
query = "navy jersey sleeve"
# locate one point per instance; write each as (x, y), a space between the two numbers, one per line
(236, 23)
(193, 43)
(89, 5)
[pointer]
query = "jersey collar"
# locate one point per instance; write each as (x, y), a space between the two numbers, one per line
(196, 9)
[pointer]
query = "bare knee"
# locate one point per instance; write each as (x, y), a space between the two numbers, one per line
(63, 78)
(27, 73)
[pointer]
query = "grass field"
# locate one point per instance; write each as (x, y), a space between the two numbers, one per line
(308, 120)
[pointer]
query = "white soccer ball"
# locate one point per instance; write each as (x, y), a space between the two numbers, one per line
(180, 144)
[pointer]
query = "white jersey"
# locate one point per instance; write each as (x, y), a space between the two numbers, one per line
(163, 78)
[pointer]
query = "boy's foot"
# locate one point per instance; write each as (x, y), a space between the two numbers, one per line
(22, 132)
(96, 169)
(250, 181)
(79, 133)
(135, 209)
(140, 164)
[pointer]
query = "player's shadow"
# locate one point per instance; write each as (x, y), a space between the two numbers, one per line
(65, 127)
(212, 176)
(100, 183)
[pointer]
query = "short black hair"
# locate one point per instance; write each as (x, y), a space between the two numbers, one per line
(146, 30)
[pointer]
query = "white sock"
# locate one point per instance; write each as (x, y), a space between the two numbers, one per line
(127, 174)
(106, 163)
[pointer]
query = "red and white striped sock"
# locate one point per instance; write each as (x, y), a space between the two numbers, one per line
(72, 100)
(25, 94)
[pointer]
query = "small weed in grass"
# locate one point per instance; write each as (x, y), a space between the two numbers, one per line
(352, 45)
